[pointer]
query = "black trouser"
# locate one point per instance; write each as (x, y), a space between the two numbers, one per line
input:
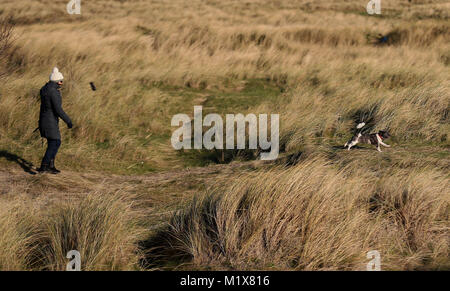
(52, 150)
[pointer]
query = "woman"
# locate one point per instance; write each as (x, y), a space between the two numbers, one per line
(49, 115)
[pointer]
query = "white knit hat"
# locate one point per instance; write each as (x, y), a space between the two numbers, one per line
(56, 76)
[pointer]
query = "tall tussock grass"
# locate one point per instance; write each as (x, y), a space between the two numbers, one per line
(102, 227)
(6, 40)
(314, 216)
(14, 236)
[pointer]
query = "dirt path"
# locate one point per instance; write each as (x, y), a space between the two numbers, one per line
(156, 194)
(164, 191)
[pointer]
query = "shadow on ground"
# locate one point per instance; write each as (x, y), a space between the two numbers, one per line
(24, 164)
(161, 251)
(355, 147)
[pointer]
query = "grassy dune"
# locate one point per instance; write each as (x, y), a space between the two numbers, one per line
(318, 64)
(102, 230)
(315, 216)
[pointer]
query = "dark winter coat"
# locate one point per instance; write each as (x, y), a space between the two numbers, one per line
(51, 111)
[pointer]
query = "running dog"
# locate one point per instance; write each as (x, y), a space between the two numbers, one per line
(373, 138)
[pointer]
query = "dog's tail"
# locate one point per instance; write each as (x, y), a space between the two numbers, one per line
(360, 125)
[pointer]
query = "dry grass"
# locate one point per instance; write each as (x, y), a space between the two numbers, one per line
(103, 228)
(319, 64)
(13, 237)
(315, 216)
(6, 40)
(101, 215)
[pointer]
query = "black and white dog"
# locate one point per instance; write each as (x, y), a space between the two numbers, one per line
(373, 138)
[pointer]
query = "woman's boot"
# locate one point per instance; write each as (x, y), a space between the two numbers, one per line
(52, 167)
(46, 169)
(43, 168)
